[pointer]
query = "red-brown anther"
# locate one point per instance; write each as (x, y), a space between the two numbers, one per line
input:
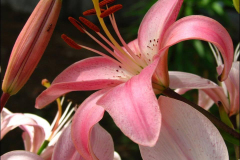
(105, 2)
(70, 42)
(111, 10)
(76, 23)
(89, 24)
(91, 12)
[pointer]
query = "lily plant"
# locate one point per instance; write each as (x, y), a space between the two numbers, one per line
(129, 82)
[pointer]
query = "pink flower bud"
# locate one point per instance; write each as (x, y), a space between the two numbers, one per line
(30, 45)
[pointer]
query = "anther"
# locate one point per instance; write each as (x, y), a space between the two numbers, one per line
(76, 23)
(46, 83)
(111, 10)
(89, 24)
(105, 2)
(70, 42)
(91, 12)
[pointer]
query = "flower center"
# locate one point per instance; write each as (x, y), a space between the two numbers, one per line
(123, 56)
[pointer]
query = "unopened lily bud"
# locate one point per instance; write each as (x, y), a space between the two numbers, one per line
(30, 45)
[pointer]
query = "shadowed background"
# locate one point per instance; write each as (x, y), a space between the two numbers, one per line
(189, 56)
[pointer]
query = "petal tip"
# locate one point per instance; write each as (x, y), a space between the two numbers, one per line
(221, 77)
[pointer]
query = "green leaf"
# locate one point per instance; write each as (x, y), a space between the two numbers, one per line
(199, 47)
(217, 8)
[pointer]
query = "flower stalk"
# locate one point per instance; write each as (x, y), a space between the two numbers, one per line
(4, 99)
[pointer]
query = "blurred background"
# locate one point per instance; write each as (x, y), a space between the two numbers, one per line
(190, 56)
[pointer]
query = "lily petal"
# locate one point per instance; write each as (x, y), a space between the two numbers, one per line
(100, 136)
(14, 120)
(41, 122)
(203, 28)
(20, 155)
(180, 82)
(232, 84)
(64, 148)
(87, 115)
(154, 24)
(32, 125)
(217, 94)
(234, 74)
(204, 100)
(185, 134)
(188, 80)
(88, 74)
(32, 136)
(134, 107)
(47, 153)
(133, 45)
(5, 112)
(116, 156)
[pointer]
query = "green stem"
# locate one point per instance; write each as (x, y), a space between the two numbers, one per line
(237, 151)
(43, 146)
(227, 137)
(170, 93)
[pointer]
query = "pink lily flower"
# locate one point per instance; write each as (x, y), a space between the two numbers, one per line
(129, 85)
(30, 46)
(229, 93)
(36, 129)
(61, 146)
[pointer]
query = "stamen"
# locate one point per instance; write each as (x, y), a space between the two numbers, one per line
(89, 24)
(105, 2)
(76, 23)
(114, 24)
(70, 42)
(216, 54)
(104, 27)
(46, 83)
(62, 100)
(111, 10)
(65, 112)
(91, 12)
(65, 119)
(237, 52)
